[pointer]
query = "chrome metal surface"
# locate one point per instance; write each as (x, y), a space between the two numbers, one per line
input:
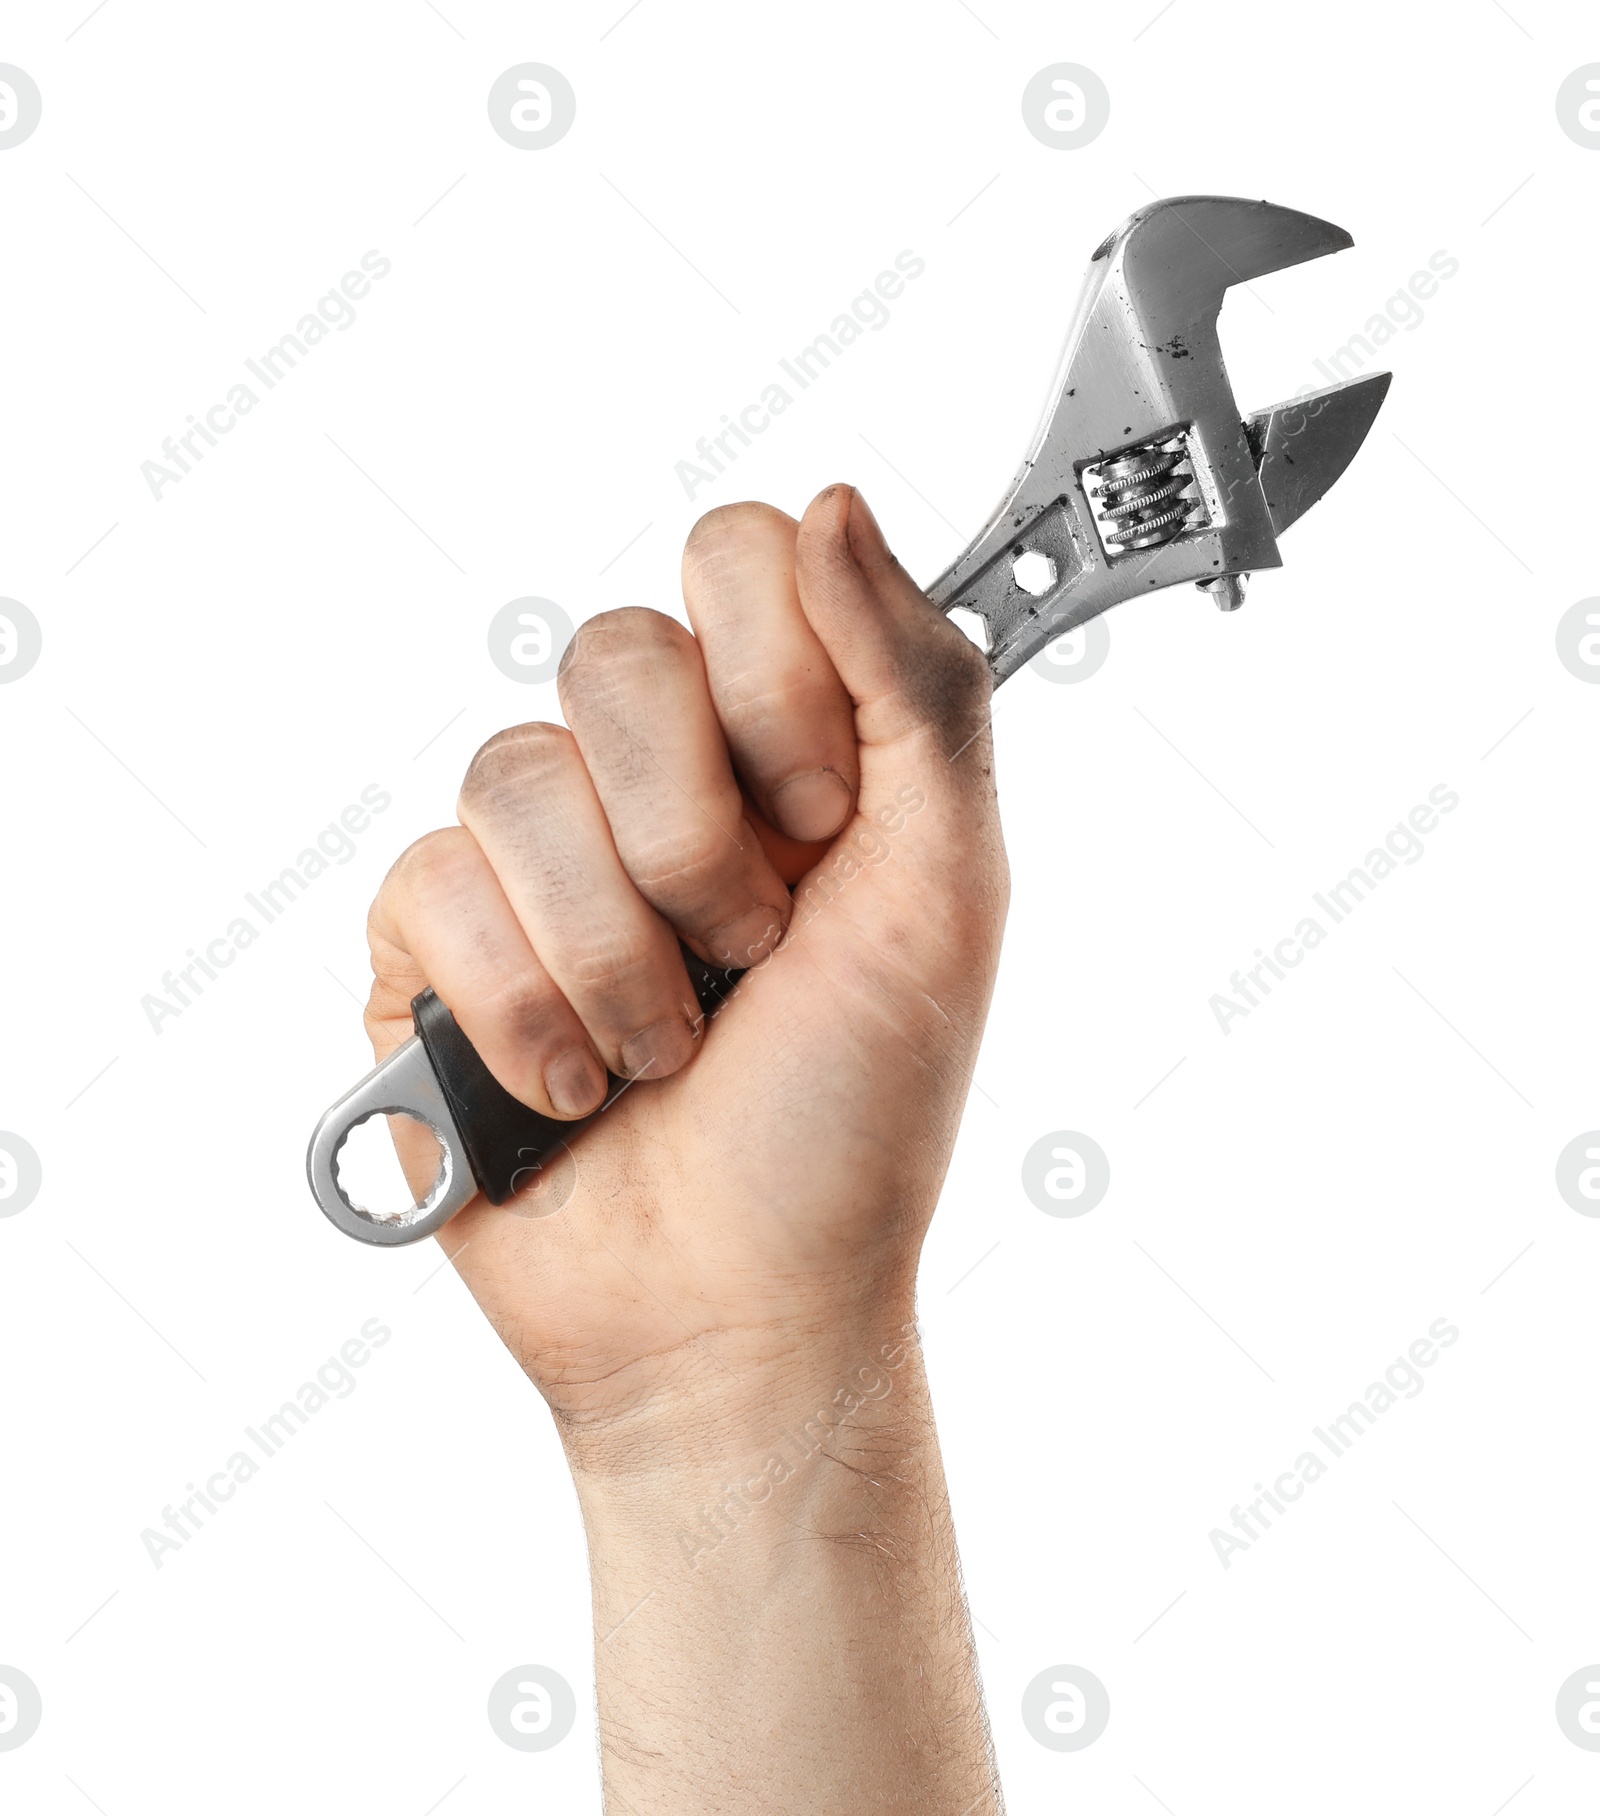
(1142, 371)
(403, 1085)
(1304, 446)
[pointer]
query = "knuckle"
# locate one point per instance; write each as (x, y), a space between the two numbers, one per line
(439, 863)
(685, 874)
(611, 968)
(729, 530)
(762, 702)
(514, 757)
(522, 1006)
(630, 634)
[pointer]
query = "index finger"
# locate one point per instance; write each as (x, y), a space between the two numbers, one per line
(784, 711)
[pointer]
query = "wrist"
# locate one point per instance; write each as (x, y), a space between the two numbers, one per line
(723, 1411)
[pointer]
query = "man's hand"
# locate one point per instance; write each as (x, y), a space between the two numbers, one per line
(714, 1290)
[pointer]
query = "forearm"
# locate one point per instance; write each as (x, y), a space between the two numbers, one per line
(779, 1620)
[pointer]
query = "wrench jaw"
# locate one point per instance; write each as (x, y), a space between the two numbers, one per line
(1142, 379)
(1304, 445)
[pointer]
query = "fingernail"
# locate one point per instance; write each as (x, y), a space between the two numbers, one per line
(812, 806)
(747, 937)
(659, 1049)
(574, 1082)
(865, 538)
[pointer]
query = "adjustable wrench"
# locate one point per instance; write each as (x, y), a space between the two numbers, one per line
(1141, 474)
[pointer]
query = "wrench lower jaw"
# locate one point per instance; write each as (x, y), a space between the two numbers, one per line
(403, 1085)
(1303, 446)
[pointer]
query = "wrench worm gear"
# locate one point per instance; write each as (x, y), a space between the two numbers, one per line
(1142, 474)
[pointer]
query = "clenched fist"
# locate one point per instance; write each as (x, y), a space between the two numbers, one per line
(825, 729)
(801, 790)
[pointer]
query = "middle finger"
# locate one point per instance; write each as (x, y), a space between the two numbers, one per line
(633, 688)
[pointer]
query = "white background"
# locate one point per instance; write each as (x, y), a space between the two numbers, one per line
(1363, 1154)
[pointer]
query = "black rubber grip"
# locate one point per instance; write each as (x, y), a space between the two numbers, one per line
(506, 1142)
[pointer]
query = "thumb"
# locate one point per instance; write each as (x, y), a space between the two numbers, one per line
(921, 693)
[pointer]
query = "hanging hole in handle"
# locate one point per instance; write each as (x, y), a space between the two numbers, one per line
(391, 1166)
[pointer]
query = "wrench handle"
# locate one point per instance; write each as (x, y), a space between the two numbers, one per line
(506, 1142)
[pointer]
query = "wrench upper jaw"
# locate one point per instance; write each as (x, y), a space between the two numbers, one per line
(1192, 248)
(1166, 273)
